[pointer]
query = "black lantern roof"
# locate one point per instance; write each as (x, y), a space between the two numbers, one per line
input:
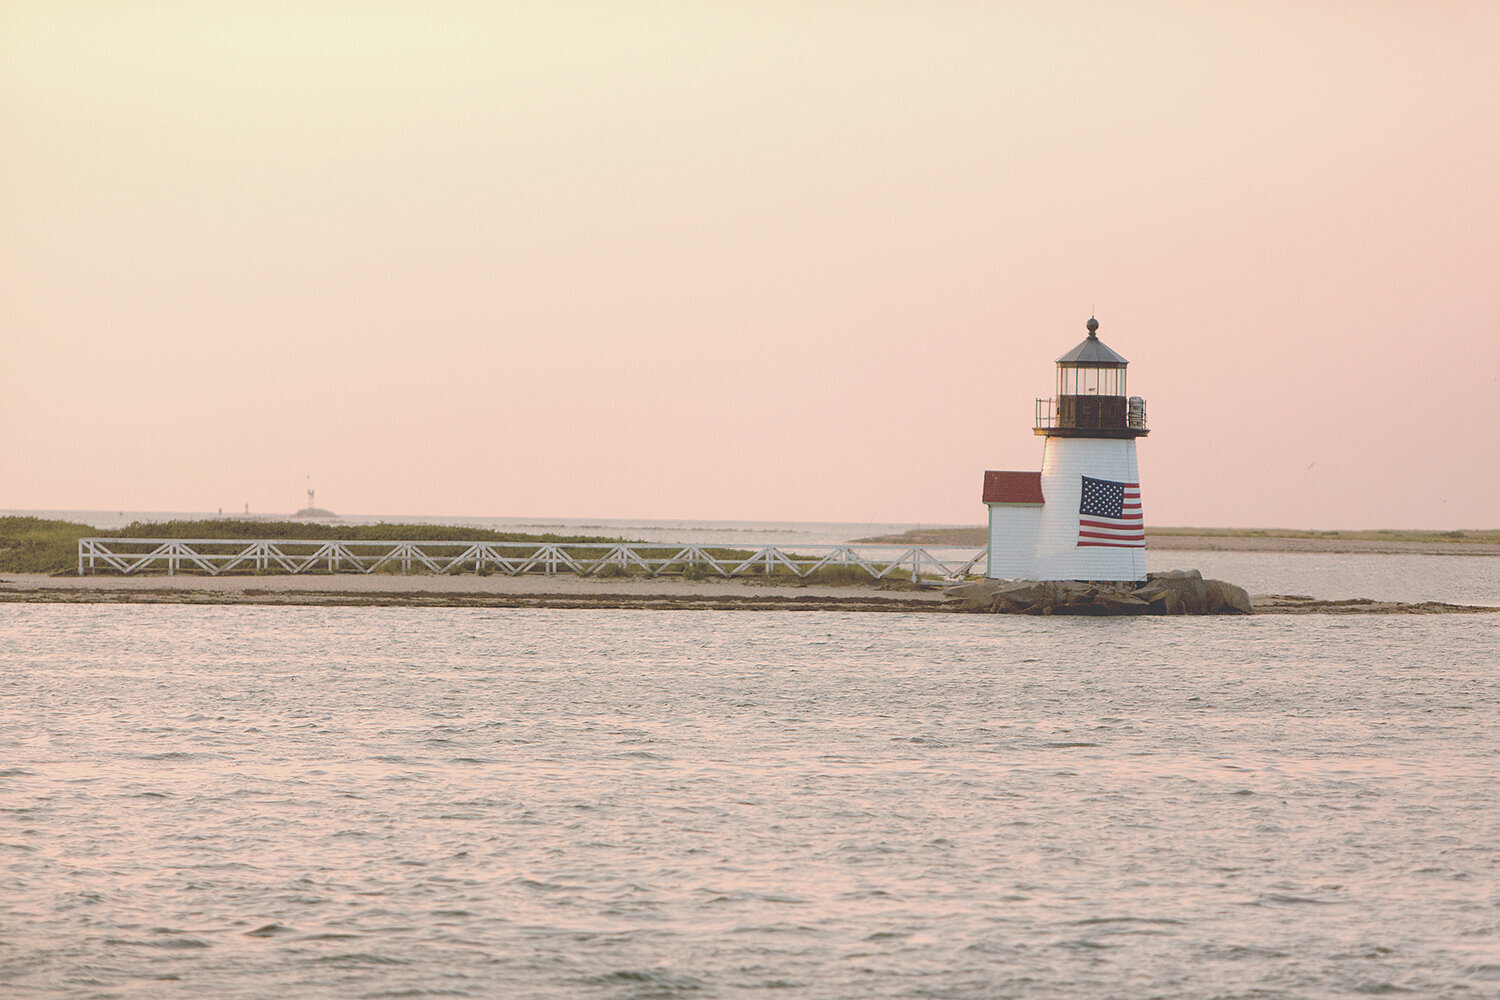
(1092, 353)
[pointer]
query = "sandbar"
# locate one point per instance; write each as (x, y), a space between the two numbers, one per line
(1346, 546)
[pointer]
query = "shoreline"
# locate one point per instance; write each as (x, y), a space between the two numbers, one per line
(1331, 546)
(568, 592)
(1186, 541)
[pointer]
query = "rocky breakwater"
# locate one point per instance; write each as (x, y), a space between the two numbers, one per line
(1174, 592)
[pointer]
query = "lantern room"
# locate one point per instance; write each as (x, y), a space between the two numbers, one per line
(1091, 400)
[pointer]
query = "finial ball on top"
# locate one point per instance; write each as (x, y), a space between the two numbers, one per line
(1093, 326)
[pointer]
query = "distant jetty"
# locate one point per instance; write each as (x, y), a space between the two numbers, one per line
(312, 511)
(315, 512)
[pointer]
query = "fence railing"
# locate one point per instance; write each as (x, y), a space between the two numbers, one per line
(215, 556)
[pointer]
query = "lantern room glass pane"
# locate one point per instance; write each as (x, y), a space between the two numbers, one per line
(1073, 381)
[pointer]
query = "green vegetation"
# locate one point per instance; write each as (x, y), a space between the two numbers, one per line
(977, 537)
(33, 545)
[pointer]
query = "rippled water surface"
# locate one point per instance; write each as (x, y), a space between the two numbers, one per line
(1412, 578)
(300, 802)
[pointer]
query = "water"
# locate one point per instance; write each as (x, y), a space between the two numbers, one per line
(1410, 578)
(254, 802)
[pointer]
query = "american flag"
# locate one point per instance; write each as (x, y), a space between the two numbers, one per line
(1109, 515)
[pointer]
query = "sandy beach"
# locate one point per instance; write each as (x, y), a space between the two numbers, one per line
(562, 591)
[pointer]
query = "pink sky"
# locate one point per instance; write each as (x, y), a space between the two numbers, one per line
(746, 260)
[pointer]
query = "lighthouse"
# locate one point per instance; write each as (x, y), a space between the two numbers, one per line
(1080, 518)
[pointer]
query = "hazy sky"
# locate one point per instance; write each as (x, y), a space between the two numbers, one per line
(746, 260)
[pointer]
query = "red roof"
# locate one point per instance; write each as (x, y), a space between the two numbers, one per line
(1013, 487)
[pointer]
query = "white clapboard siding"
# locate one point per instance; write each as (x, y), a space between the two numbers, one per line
(1013, 531)
(1065, 461)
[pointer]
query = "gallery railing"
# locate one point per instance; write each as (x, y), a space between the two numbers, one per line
(1091, 413)
(216, 556)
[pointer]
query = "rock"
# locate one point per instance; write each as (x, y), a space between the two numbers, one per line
(1225, 598)
(1003, 605)
(1075, 590)
(1175, 574)
(1027, 591)
(1195, 601)
(1088, 608)
(1155, 599)
(1180, 594)
(1152, 593)
(1121, 604)
(1077, 597)
(976, 596)
(1048, 600)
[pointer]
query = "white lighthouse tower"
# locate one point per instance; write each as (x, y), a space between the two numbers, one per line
(1080, 517)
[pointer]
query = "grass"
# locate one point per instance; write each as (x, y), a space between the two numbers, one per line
(34, 545)
(975, 536)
